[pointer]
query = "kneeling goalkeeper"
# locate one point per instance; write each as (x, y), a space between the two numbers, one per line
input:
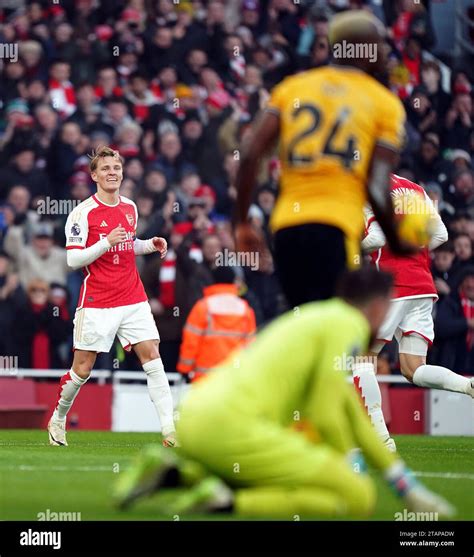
(242, 450)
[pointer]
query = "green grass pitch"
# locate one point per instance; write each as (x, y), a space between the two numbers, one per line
(35, 477)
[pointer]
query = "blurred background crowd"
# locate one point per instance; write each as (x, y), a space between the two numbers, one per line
(174, 86)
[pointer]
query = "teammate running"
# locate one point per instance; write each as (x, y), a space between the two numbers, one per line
(339, 133)
(238, 426)
(101, 239)
(409, 318)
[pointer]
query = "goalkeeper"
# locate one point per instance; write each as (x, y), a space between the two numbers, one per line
(241, 451)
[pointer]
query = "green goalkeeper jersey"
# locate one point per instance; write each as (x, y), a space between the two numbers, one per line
(278, 377)
(295, 372)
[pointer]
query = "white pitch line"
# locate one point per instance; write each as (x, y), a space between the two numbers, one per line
(81, 445)
(445, 475)
(26, 468)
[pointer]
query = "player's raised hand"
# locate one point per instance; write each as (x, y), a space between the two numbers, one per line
(117, 235)
(161, 245)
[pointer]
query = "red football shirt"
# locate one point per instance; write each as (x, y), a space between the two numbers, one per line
(411, 273)
(112, 280)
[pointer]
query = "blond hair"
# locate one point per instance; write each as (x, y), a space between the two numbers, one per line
(100, 153)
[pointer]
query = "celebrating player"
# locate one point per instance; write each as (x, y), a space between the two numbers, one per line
(100, 238)
(238, 425)
(409, 318)
(339, 133)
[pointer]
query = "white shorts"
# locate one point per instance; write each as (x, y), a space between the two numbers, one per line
(411, 322)
(95, 328)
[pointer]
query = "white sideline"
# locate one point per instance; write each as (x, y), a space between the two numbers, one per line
(117, 376)
(26, 468)
(100, 374)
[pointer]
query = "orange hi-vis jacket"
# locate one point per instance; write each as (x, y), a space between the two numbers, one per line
(218, 323)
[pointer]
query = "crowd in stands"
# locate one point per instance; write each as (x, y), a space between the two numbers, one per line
(175, 86)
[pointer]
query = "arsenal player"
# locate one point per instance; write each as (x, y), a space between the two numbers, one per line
(409, 318)
(100, 239)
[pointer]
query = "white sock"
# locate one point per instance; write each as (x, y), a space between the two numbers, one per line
(160, 394)
(68, 389)
(437, 377)
(365, 380)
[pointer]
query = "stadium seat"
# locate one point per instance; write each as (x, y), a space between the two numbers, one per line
(18, 407)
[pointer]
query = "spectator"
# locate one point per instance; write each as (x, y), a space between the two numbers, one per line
(420, 114)
(22, 170)
(464, 255)
(47, 124)
(32, 56)
(67, 149)
(134, 170)
(460, 159)
(162, 50)
(34, 92)
(107, 85)
(156, 185)
(428, 165)
(87, 113)
(454, 326)
(64, 45)
(218, 324)
(196, 61)
(458, 122)
(266, 198)
(435, 193)
(166, 284)
(170, 159)
(442, 268)
(462, 191)
(9, 88)
(39, 329)
(144, 103)
(40, 260)
(10, 295)
(115, 115)
(431, 79)
(127, 139)
(61, 89)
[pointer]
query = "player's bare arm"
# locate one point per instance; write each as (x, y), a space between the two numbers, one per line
(262, 141)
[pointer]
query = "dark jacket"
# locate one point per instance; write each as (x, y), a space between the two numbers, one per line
(450, 337)
(28, 323)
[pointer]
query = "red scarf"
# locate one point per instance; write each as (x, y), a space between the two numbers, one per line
(168, 280)
(40, 358)
(468, 310)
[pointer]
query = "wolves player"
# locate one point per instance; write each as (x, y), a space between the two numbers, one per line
(410, 316)
(339, 133)
(100, 238)
(238, 425)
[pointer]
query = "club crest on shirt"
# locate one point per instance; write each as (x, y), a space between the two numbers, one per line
(131, 219)
(75, 229)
